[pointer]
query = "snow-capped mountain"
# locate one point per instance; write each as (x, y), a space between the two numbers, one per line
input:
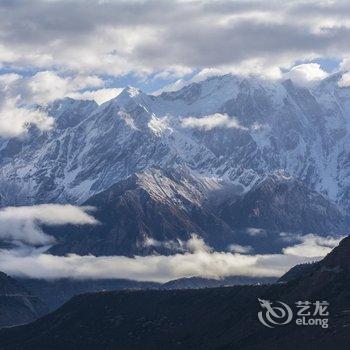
(225, 129)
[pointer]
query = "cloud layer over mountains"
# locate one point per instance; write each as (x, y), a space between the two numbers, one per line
(200, 261)
(51, 49)
(54, 49)
(21, 225)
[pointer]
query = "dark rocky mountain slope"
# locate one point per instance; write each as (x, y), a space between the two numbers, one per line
(155, 211)
(150, 211)
(282, 203)
(17, 305)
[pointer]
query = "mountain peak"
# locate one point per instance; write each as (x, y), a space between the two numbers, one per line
(131, 95)
(130, 91)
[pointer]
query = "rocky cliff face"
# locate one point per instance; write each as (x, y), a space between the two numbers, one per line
(283, 203)
(152, 211)
(156, 211)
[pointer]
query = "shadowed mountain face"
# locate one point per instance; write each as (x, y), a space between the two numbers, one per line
(150, 211)
(218, 318)
(156, 210)
(17, 305)
(284, 204)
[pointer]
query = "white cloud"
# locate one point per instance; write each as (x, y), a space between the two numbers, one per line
(173, 72)
(85, 81)
(174, 245)
(250, 67)
(23, 223)
(14, 120)
(7, 79)
(47, 86)
(311, 245)
(212, 121)
(200, 76)
(200, 261)
(120, 37)
(306, 74)
(100, 95)
(345, 80)
(167, 40)
(253, 231)
(207, 73)
(237, 248)
(345, 64)
(19, 94)
(14, 116)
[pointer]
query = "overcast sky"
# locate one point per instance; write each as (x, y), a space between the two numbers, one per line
(91, 49)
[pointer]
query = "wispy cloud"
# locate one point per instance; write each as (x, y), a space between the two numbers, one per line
(345, 80)
(310, 245)
(253, 231)
(22, 224)
(201, 260)
(14, 119)
(21, 95)
(306, 74)
(99, 95)
(237, 248)
(212, 121)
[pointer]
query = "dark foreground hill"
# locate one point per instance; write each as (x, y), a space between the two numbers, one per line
(201, 282)
(213, 318)
(55, 293)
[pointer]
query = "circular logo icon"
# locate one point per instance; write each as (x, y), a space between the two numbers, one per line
(274, 313)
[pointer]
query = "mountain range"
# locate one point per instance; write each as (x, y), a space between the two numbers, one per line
(241, 162)
(216, 158)
(279, 125)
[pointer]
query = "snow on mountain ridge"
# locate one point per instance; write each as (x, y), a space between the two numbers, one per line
(301, 131)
